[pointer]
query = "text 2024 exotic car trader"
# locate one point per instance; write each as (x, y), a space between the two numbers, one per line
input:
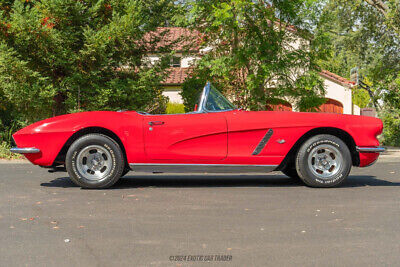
(97, 148)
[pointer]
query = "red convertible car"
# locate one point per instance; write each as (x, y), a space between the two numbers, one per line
(97, 148)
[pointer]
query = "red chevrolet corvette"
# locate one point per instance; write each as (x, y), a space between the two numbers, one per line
(97, 148)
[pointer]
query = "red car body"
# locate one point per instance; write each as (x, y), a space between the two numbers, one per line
(227, 137)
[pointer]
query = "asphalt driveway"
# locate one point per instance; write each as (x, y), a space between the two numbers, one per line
(181, 220)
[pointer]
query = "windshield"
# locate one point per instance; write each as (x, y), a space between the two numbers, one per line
(216, 101)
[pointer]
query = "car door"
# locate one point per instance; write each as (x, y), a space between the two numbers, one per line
(260, 137)
(193, 137)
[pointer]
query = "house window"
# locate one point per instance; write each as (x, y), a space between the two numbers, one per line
(176, 62)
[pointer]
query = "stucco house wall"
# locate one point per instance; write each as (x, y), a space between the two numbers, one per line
(339, 93)
(356, 110)
(186, 60)
(172, 92)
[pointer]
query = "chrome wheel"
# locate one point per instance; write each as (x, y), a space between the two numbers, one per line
(325, 161)
(94, 162)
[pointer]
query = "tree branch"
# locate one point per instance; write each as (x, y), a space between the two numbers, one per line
(384, 10)
(379, 5)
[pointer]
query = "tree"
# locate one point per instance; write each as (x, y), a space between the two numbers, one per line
(260, 54)
(390, 10)
(364, 33)
(358, 35)
(59, 56)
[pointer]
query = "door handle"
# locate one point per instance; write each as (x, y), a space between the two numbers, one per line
(151, 123)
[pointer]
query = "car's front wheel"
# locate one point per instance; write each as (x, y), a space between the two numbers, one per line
(323, 161)
(95, 161)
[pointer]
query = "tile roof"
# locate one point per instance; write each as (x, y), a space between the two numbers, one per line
(180, 38)
(176, 76)
(336, 78)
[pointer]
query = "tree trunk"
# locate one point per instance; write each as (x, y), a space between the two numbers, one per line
(59, 105)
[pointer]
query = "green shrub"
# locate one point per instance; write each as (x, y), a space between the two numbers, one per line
(175, 108)
(5, 152)
(391, 128)
(191, 91)
(361, 97)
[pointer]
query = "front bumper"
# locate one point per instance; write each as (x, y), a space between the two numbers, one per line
(378, 149)
(25, 150)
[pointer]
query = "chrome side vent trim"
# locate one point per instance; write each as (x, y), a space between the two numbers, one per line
(263, 142)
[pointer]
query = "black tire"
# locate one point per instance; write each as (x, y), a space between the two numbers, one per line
(291, 172)
(125, 172)
(115, 160)
(323, 155)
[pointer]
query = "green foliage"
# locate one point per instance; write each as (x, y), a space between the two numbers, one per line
(391, 130)
(308, 100)
(253, 56)
(5, 152)
(392, 97)
(175, 108)
(361, 97)
(9, 120)
(391, 115)
(191, 90)
(59, 56)
(360, 34)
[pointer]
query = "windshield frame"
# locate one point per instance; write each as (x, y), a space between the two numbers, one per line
(204, 98)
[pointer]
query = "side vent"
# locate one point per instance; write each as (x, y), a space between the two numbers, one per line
(263, 142)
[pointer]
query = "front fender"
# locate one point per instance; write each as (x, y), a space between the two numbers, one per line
(50, 135)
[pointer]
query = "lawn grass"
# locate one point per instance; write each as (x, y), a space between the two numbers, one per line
(175, 108)
(6, 154)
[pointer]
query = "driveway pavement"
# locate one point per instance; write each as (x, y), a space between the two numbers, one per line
(171, 220)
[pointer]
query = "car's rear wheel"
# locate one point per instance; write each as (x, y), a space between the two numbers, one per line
(95, 161)
(323, 161)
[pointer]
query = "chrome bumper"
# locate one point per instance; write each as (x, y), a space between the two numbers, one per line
(24, 150)
(378, 149)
